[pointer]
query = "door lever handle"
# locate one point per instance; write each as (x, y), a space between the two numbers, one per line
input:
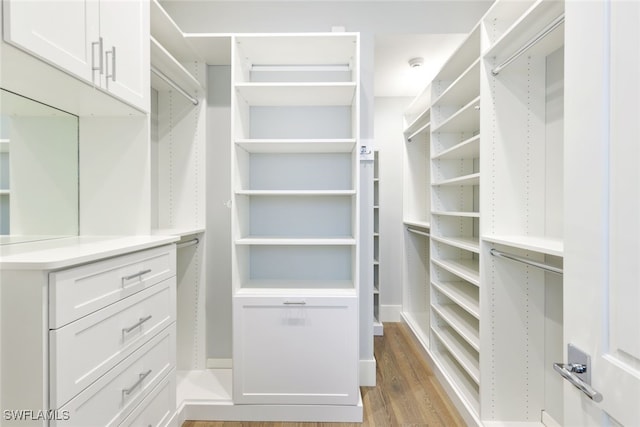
(569, 371)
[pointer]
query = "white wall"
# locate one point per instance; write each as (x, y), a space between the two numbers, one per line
(218, 305)
(389, 140)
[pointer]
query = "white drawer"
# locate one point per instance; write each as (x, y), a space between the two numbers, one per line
(112, 398)
(82, 351)
(158, 408)
(295, 350)
(78, 291)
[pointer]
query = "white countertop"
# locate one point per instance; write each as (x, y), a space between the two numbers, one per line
(68, 251)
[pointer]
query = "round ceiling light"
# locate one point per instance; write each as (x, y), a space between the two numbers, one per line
(416, 62)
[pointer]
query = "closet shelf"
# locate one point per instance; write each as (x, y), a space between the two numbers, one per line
(460, 60)
(4, 145)
(180, 232)
(473, 179)
(425, 225)
(462, 90)
(465, 120)
(459, 350)
(423, 119)
(466, 269)
(541, 244)
(461, 322)
(466, 387)
(162, 60)
(297, 94)
(298, 48)
(462, 293)
(213, 48)
(460, 214)
(471, 244)
(296, 241)
(5, 192)
(539, 15)
(296, 192)
(297, 145)
(167, 33)
(467, 149)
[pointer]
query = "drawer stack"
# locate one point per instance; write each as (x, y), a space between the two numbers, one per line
(112, 340)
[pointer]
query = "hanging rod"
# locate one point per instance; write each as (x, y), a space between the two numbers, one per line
(174, 85)
(516, 258)
(422, 233)
(188, 243)
(542, 34)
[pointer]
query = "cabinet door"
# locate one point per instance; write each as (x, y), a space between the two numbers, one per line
(59, 32)
(295, 350)
(124, 26)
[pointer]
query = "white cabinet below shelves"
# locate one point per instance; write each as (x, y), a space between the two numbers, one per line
(296, 350)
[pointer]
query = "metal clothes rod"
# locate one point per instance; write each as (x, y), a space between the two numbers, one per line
(516, 258)
(422, 233)
(191, 242)
(174, 85)
(542, 34)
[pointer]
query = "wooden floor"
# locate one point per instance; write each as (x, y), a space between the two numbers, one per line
(407, 393)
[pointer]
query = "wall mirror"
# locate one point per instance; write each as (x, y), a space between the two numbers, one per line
(38, 170)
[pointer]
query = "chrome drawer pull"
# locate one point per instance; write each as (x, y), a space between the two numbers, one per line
(138, 274)
(294, 303)
(140, 322)
(93, 56)
(142, 376)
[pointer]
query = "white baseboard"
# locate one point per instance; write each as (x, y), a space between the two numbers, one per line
(390, 313)
(368, 373)
(219, 363)
(216, 411)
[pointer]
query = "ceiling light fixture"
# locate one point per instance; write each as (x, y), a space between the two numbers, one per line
(416, 62)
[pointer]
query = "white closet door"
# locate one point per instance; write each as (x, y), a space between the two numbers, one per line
(602, 276)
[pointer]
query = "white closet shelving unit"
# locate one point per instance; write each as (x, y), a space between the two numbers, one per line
(295, 180)
(378, 328)
(455, 219)
(522, 205)
(416, 207)
(495, 323)
(178, 175)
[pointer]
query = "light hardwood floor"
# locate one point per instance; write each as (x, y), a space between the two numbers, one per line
(407, 393)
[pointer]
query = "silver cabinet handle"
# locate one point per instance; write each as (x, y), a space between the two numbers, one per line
(111, 52)
(141, 377)
(140, 322)
(138, 274)
(100, 66)
(568, 372)
(294, 303)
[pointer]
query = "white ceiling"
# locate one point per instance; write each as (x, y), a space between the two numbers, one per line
(394, 77)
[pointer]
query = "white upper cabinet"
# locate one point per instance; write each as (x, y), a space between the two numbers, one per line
(124, 27)
(104, 43)
(63, 33)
